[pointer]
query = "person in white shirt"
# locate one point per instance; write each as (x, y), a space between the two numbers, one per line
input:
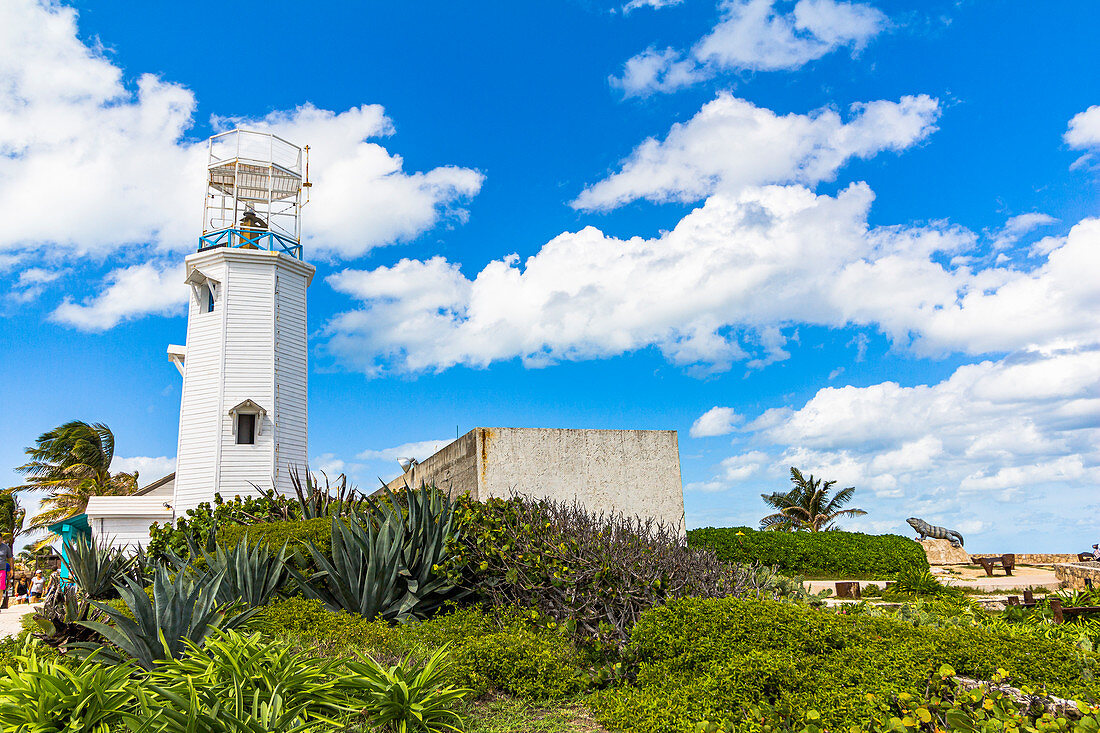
(37, 584)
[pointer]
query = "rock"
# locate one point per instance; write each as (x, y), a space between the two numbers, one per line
(940, 552)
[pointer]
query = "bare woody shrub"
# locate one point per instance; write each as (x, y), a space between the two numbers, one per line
(594, 573)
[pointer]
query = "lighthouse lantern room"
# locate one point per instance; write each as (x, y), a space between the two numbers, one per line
(243, 413)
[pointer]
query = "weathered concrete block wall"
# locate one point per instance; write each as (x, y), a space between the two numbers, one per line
(453, 468)
(635, 472)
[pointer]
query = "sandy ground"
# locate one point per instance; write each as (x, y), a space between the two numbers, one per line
(1024, 576)
(10, 616)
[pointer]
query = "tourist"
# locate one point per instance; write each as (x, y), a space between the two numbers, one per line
(37, 586)
(22, 589)
(1096, 552)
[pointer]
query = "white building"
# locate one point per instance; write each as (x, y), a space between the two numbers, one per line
(243, 413)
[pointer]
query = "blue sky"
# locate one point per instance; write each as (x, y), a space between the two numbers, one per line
(854, 237)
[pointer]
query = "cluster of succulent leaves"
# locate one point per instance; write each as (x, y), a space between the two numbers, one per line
(384, 560)
(97, 566)
(844, 554)
(232, 684)
(914, 582)
(594, 573)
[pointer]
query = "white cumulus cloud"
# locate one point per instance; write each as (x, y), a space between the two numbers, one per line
(127, 293)
(124, 175)
(715, 421)
(725, 285)
(761, 35)
(1013, 438)
(419, 450)
(731, 143)
(149, 468)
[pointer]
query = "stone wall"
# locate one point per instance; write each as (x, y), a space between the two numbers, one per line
(634, 472)
(1048, 558)
(1074, 575)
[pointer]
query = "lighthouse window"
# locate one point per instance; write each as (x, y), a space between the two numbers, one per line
(246, 428)
(206, 298)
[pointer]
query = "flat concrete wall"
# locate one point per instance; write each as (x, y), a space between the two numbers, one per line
(634, 472)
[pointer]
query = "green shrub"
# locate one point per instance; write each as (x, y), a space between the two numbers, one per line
(199, 526)
(293, 534)
(913, 583)
(848, 554)
(595, 573)
(713, 659)
(326, 632)
(45, 694)
(499, 651)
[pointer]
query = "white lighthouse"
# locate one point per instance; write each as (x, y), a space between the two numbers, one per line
(243, 413)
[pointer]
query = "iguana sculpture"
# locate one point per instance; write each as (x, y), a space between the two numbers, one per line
(924, 529)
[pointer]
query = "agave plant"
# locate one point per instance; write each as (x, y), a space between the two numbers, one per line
(182, 609)
(46, 695)
(384, 562)
(60, 619)
(250, 573)
(97, 566)
(407, 698)
(331, 500)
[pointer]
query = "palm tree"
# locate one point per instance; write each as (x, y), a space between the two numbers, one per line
(12, 515)
(807, 506)
(72, 463)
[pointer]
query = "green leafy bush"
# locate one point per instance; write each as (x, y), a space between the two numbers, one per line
(250, 572)
(911, 583)
(96, 566)
(45, 695)
(407, 696)
(326, 632)
(498, 651)
(593, 572)
(199, 526)
(295, 535)
(712, 660)
(847, 554)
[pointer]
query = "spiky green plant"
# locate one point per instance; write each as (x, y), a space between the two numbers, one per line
(250, 573)
(48, 696)
(332, 499)
(230, 663)
(808, 506)
(384, 562)
(60, 618)
(194, 709)
(97, 566)
(406, 697)
(182, 609)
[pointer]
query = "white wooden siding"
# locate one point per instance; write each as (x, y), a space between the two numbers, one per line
(255, 349)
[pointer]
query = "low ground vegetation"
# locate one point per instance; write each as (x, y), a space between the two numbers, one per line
(414, 612)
